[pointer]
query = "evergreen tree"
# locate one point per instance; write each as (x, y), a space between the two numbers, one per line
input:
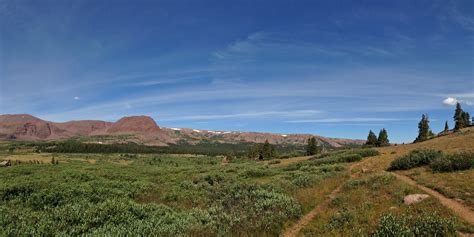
(383, 138)
(459, 117)
(371, 139)
(312, 147)
(446, 127)
(424, 132)
(267, 150)
(467, 119)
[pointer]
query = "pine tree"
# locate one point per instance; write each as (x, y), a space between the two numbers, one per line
(312, 147)
(371, 139)
(383, 138)
(459, 118)
(424, 132)
(446, 127)
(467, 119)
(267, 150)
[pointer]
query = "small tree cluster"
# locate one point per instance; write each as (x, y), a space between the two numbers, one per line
(381, 140)
(424, 131)
(312, 148)
(461, 119)
(262, 151)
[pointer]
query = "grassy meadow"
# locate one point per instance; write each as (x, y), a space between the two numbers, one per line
(84, 194)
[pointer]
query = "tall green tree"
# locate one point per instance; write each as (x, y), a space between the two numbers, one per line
(424, 132)
(312, 148)
(371, 139)
(446, 126)
(383, 138)
(267, 150)
(459, 117)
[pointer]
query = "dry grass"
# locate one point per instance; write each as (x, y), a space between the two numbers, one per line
(367, 202)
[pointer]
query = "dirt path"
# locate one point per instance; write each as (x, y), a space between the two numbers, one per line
(460, 209)
(295, 229)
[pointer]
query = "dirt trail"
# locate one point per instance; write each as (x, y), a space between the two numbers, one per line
(460, 209)
(295, 229)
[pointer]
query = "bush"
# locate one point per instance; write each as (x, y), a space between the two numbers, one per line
(453, 162)
(415, 158)
(368, 152)
(425, 224)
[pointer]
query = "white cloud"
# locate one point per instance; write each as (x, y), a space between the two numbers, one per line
(450, 101)
(76, 98)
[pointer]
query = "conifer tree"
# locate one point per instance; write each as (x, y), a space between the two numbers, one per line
(383, 138)
(267, 150)
(459, 117)
(371, 139)
(467, 119)
(424, 131)
(446, 127)
(312, 147)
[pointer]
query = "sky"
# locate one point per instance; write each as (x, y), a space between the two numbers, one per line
(332, 68)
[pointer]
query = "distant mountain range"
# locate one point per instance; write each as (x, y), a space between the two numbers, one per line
(143, 130)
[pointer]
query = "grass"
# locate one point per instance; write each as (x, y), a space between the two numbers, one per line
(200, 195)
(156, 194)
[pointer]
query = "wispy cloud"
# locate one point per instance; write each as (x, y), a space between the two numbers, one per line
(345, 120)
(265, 114)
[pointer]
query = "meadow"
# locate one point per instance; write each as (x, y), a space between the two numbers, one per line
(154, 194)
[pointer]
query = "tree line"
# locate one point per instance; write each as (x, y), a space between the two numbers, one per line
(461, 119)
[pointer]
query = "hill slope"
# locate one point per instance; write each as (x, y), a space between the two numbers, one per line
(143, 129)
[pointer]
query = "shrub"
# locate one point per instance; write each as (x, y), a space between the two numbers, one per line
(453, 162)
(425, 224)
(368, 152)
(340, 220)
(415, 158)
(255, 173)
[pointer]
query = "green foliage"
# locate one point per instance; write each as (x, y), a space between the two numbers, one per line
(340, 220)
(371, 139)
(264, 151)
(382, 140)
(415, 158)
(461, 119)
(453, 162)
(312, 148)
(425, 224)
(424, 132)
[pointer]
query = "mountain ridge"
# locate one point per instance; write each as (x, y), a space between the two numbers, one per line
(143, 129)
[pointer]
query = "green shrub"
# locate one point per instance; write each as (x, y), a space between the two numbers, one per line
(453, 162)
(340, 220)
(425, 224)
(368, 152)
(415, 158)
(255, 173)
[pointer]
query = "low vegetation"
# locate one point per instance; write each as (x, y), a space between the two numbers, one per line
(425, 224)
(453, 162)
(415, 158)
(158, 194)
(436, 160)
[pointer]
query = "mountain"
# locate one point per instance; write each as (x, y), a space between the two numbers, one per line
(141, 129)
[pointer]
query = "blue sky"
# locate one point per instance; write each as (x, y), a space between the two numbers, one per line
(333, 68)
